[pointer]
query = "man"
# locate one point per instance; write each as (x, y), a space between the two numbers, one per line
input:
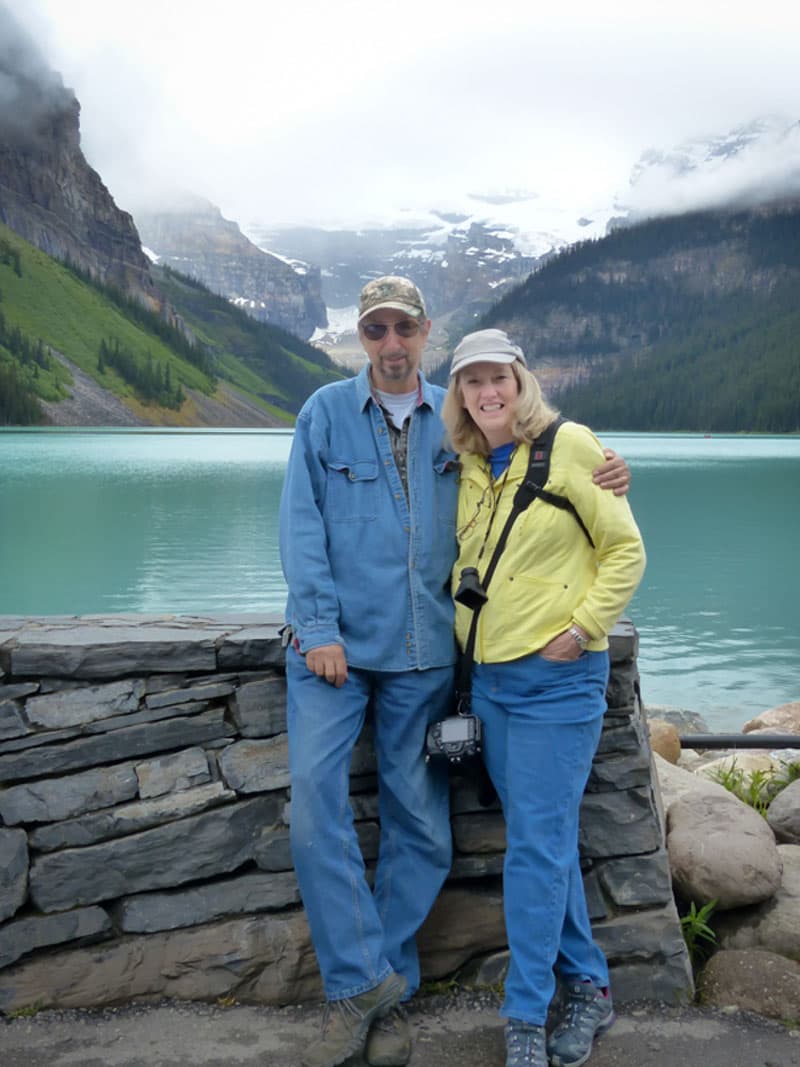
(367, 535)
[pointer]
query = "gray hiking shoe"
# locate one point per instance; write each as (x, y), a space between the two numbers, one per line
(346, 1023)
(587, 1013)
(525, 1044)
(389, 1041)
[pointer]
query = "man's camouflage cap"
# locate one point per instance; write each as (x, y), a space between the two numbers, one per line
(391, 292)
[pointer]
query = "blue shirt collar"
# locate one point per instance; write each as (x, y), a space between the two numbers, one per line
(365, 394)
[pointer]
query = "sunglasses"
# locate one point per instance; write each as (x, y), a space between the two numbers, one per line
(376, 331)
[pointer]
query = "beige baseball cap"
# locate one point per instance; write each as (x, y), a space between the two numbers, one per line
(392, 292)
(486, 346)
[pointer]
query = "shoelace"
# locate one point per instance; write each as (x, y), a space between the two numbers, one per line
(577, 1005)
(526, 1043)
(343, 1007)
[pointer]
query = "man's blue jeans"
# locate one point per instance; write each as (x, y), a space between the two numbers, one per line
(360, 935)
(542, 724)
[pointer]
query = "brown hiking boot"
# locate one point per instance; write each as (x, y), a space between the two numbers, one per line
(389, 1041)
(346, 1023)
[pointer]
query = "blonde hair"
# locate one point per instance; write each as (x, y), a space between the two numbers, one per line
(532, 414)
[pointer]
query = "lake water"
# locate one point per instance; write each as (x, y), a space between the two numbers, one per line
(186, 521)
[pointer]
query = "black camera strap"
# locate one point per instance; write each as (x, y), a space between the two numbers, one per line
(531, 488)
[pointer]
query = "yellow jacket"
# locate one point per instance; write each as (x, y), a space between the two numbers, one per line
(549, 577)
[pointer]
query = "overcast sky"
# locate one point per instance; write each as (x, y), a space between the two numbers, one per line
(333, 111)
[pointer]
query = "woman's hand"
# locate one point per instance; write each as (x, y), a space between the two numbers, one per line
(614, 474)
(562, 649)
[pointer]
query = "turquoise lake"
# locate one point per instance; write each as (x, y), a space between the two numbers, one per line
(186, 522)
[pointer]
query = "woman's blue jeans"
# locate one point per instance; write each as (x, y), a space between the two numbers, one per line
(361, 935)
(542, 724)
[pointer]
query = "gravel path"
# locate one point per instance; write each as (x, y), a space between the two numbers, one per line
(451, 1031)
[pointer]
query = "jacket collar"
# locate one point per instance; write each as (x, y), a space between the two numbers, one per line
(365, 394)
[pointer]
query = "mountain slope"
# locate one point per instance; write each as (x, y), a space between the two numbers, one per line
(688, 322)
(235, 369)
(193, 237)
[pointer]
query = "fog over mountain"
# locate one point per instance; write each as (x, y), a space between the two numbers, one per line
(29, 89)
(745, 166)
(464, 158)
(468, 255)
(341, 116)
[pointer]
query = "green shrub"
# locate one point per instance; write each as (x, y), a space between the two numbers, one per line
(700, 937)
(757, 788)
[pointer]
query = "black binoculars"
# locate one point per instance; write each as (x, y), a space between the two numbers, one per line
(470, 592)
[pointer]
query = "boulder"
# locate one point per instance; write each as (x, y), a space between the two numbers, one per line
(664, 739)
(675, 782)
(784, 719)
(691, 759)
(687, 722)
(773, 925)
(752, 980)
(721, 849)
(783, 814)
(744, 762)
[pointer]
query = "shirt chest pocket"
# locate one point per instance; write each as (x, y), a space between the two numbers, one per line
(352, 490)
(445, 486)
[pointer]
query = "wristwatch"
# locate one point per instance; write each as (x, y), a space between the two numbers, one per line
(579, 638)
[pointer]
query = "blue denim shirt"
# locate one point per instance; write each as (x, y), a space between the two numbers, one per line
(366, 567)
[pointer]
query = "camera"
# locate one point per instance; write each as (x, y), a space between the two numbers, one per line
(456, 739)
(470, 591)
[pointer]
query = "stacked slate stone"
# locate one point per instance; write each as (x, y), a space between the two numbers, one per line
(144, 807)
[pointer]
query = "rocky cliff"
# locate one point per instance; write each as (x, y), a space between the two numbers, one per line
(48, 192)
(192, 237)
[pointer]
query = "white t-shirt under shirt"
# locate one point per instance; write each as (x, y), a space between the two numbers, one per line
(398, 405)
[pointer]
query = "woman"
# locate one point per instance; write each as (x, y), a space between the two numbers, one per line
(539, 677)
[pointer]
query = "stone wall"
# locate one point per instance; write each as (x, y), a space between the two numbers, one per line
(144, 796)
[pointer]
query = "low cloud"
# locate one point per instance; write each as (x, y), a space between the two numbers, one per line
(753, 164)
(30, 92)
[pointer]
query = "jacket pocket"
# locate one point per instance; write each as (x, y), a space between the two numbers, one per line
(352, 490)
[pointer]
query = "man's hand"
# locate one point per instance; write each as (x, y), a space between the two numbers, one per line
(613, 474)
(328, 662)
